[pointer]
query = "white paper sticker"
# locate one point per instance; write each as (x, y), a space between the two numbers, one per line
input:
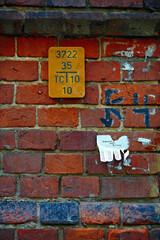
(110, 149)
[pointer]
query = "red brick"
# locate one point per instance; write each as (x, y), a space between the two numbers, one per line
(142, 117)
(143, 71)
(130, 94)
(103, 71)
(34, 94)
(130, 47)
(7, 186)
(125, 234)
(7, 46)
(19, 70)
(117, 3)
(6, 93)
(7, 234)
(35, 46)
(58, 117)
(44, 71)
(143, 164)
(138, 141)
(17, 212)
(141, 213)
(155, 234)
(40, 234)
(22, 162)
(100, 213)
(60, 163)
(129, 187)
(90, 45)
(15, 117)
(91, 97)
(100, 117)
(77, 140)
(39, 187)
(84, 233)
(7, 140)
(80, 187)
(18, 117)
(95, 166)
(37, 139)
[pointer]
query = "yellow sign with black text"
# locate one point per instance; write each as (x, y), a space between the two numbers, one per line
(66, 72)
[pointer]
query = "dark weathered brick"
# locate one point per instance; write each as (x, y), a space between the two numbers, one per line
(155, 234)
(117, 3)
(129, 187)
(141, 213)
(100, 213)
(7, 234)
(35, 3)
(11, 22)
(22, 162)
(66, 3)
(59, 213)
(17, 212)
(40, 234)
(42, 23)
(151, 4)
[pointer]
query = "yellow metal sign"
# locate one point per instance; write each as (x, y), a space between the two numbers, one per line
(66, 72)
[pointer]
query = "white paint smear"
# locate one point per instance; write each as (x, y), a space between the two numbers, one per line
(144, 141)
(109, 148)
(151, 49)
(127, 67)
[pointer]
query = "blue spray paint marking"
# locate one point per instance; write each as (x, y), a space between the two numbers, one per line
(144, 111)
(135, 99)
(108, 121)
(145, 99)
(108, 94)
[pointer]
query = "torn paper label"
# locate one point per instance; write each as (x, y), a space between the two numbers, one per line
(110, 149)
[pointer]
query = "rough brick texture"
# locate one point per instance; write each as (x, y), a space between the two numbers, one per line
(37, 139)
(7, 140)
(37, 3)
(18, 117)
(34, 94)
(39, 187)
(7, 186)
(63, 163)
(100, 213)
(125, 234)
(22, 162)
(59, 213)
(17, 212)
(19, 71)
(130, 187)
(78, 140)
(35, 47)
(6, 93)
(80, 187)
(141, 213)
(53, 184)
(58, 117)
(7, 46)
(33, 234)
(7, 234)
(79, 234)
(117, 3)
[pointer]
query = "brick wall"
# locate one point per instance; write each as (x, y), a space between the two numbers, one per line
(52, 182)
